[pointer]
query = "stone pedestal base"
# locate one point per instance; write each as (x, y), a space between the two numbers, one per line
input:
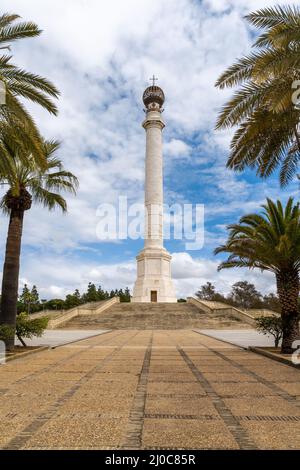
(154, 283)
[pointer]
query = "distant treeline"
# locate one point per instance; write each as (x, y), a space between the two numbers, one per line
(29, 301)
(243, 295)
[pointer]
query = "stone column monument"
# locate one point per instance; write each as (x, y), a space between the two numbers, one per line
(154, 283)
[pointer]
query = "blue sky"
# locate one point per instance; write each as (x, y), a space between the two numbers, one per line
(100, 54)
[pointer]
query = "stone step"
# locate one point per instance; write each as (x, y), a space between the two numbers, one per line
(153, 316)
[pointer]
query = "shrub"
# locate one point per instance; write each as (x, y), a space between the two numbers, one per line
(27, 327)
(6, 332)
(270, 326)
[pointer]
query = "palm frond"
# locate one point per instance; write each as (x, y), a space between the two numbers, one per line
(268, 241)
(31, 93)
(20, 76)
(272, 16)
(49, 199)
(22, 30)
(8, 18)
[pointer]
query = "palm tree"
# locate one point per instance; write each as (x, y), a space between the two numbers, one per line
(20, 83)
(27, 183)
(270, 241)
(268, 134)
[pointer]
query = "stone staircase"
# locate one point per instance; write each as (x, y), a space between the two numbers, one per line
(154, 316)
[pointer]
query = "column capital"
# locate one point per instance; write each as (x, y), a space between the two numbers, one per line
(153, 119)
(156, 122)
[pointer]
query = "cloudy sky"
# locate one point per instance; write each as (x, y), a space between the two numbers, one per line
(100, 55)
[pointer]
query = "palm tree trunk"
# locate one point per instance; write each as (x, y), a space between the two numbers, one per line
(10, 281)
(288, 292)
(297, 138)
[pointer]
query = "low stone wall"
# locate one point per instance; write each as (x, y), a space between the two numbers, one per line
(47, 313)
(222, 309)
(81, 310)
(258, 312)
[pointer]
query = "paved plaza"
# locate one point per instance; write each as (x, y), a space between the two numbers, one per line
(151, 389)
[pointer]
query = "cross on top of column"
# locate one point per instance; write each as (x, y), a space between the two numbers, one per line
(153, 79)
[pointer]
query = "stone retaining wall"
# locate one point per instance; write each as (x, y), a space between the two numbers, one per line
(81, 310)
(222, 309)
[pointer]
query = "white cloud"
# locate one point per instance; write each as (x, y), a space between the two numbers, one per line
(190, 273)
(176, 148)
(100, 55)
(59, 275)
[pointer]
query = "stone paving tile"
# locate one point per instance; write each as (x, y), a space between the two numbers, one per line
(293, 388)
(171, 377)
(207, 368)
(180, 406)
(187, 434)
(110, 388)
(10, 425)
(63, 375)
(264, 369)
(224, 377)
(10, 404)
(117, 377)
(121, 370)
(167, 369)
(10, 377)
(118, 404)
(274, 435)
(165, 388)
(247, 389)
(78, 433)
(261, 406)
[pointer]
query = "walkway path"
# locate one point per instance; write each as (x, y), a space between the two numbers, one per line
(55, 338)
(243, 338)
(149, 389)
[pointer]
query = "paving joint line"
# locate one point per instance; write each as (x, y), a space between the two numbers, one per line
(133, 434)
(275, 388)
(81, 339)
(54, 364)
(27, 433)
(239, 434)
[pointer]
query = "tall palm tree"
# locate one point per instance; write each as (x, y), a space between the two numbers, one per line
(268, 134)
(270, 241)
(20, 83)
(27, 183)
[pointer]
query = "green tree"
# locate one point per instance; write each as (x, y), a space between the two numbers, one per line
(244, 295)
(112, 294)
(271, 302)
(102, 294)
(267, 120)
(14, 119)
(28, 328)
(91, 293)
(55, 304)
(27, 183)
(35, 302)
(127, 295)
(29, 300)
(270, 326)
(73, 300)
(270, 241)
(124, 295)
(206, 292)
(25, 298)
